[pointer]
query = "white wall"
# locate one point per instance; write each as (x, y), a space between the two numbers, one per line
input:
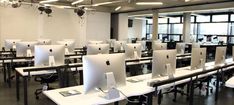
(123, 27)
(27, 23)
(138, 30)
(98, 26)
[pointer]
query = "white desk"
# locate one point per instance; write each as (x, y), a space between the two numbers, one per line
(131, 89)
(230, 83)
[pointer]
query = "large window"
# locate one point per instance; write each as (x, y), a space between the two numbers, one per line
(162, 20)
(162, 28)
(213, 28)
(177, 29)
(218, 18)
(201, 18)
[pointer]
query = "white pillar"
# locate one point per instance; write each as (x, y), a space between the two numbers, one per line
(155, 26)
(186, 27)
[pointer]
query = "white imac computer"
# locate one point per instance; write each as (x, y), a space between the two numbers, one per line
(95, 68)
(133, 51)
(119, 46)
(143, 44)
(69, 45)
(111, 42)
(159, 46)
(164, 63)
(180, 47)
(93, 49)
(25, 48)
(95, 42)
(198, 59)
(195, 45)
(11, 43)
(49, 55)
(44, 41)
(220, 55)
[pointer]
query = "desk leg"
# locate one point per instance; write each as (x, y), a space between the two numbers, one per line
(160, 97)
(25, 91)
(116, 103)
(17, 86)
(81, 77)
(9, 76)
(4, 73)
(217, 86)
(149, 99)
(191, 92)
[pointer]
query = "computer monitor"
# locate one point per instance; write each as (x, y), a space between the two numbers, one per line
(69, 45)
(159, 46)
(44, 41)
(195, 45)
(95, 67)
(93, 49)
(95, 42)
(49, 55)
(119, 46)
(143, 44)
(111, 42)
(133, 51)
(220, 55)
(180, 47)
(164, 63)
(198, 59)
(11, 43)
(25, 48)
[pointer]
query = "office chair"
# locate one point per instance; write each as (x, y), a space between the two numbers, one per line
(200, 84)
(45, 79)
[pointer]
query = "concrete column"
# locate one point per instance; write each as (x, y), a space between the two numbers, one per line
(186, 27)
(155, 26)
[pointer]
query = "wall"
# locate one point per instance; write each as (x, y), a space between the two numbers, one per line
(98, 26)
(123, 27)
(27, 23)
(138, 30)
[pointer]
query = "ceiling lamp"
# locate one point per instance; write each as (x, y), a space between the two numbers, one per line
(48, 1)
(76, 2)
(104, 3)
(187, 0)
(149, 3)
(117, 8)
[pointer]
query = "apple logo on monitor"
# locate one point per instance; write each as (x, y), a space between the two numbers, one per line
(107, 62)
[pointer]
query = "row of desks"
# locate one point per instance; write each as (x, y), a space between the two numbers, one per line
(138, 88)
(20, 72)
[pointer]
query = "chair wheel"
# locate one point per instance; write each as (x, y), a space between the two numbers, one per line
(37, 97)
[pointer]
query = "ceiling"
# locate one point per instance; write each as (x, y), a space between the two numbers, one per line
(130, 5)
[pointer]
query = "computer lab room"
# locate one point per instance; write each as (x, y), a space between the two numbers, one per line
(116, 52)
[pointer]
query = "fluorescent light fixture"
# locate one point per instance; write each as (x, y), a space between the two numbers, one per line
(89, 9)
(117, 8)
(140, 18)
(187, 0)
(149, 3)
(104, 3)
(48, 1)
(76, 2)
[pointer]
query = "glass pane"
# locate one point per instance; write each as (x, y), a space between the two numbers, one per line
(214, 28)
(217, 18)
(162, 20)
(201, 18)
(232, 17)
(177, 29)
(150, 21)
(193, 29)
(174, 20)
(162, 28)
(192, 18)
(174, 38)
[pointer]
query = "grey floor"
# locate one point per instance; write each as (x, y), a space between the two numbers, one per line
(8, 96)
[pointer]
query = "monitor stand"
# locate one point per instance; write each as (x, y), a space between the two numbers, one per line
(29, 53)
(111, 86)
(202, 64)
(66, 51)
(51, 61)
(169, 71)
(14, 47)
(135, 55)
